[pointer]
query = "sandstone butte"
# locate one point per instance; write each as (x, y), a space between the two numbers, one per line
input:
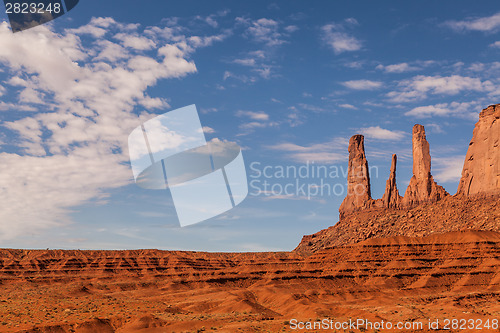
(426, 207)
(426, 255)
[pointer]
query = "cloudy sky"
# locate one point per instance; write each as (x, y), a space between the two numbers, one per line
(289, 81)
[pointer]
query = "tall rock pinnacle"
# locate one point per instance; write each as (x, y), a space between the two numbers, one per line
(358, 178)
(391, 197)
(422, 186)
(481, 171)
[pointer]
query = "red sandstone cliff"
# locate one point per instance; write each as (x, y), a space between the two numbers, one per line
(481, 171)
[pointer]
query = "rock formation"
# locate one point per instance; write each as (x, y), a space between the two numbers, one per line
(481, 171)
(99, 291)
(422, 186)
(426, 207)
(358, 178)
(391, 197)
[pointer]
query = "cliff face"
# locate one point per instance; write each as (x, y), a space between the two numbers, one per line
(422, 187)
(358, 178)
(481, 171)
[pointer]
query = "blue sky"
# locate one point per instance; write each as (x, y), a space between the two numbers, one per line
(290, 82)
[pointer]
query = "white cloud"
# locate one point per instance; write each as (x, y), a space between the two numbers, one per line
(264, 72)
(205, 41)
(448, 169)
(208, 130)
(261, 116)
(259, 63)
(311, 107)
(429, 110)
(211, 22)
(266, 31)
(227, 75)
(111, 51)
(348, 106)
(329, 152)
(294, 118)
(468, 110)
(256, 124)
(420, 86)
(208, 110)
(342, 42)
(242, 78)
(258, 120)
(37, 192)
(362, 84)
(76, 149)
(496, 44)
(398, 68)
(376, 132)
(484, 24)
(435, 128)
(135, 41)
(245, 62)
(334, 35)
(96, 28)
(354, 64)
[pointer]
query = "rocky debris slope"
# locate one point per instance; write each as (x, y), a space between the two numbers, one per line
(450, 214)
(422, 187)
(391, 279)
(481, 171)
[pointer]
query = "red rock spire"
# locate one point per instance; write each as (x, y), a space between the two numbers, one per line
(422, 186)
(358, 178)
(391, 197)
